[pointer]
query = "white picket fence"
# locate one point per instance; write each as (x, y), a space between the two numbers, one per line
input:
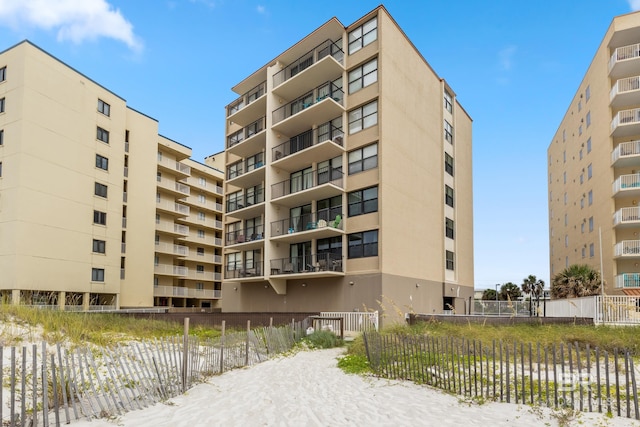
(356, 321)
(604, 310)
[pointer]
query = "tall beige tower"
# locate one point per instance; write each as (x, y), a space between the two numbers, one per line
(594, 165)
(348, 179)
(82, 178)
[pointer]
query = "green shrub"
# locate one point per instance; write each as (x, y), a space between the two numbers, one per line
(354, 364)
(323, 339)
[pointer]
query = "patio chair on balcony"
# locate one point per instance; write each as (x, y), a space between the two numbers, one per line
(287, 267)
(336, 222)
(337, 265)
(322, 265)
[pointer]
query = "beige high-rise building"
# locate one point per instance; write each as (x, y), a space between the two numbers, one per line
(348, 179)
(96, 209)
(594, 165)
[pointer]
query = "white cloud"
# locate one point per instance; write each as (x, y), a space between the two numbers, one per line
(261, 9)
(634, 4)
(505, 57)
(75, 20)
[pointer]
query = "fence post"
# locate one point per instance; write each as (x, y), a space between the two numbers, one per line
(222, 348)
(246, 357)
(185, 354)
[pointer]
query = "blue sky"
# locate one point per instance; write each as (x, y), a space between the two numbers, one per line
(514, 65)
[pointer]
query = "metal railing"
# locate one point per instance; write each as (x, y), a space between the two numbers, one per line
(625, 117)
(173, 270)
(627, 84)
(307, 264)
(626, 215)
(174, 207)
(319, 94)
(307, 222)
(247, 98)
(627, 248)
(170, 291)
(319, 52)
(628, 280)
(175, 165)
(310, 179)
(180, 250)
(250, 164)
(626, 182)
(624, 53)
(238, 270)
(247, 132)
(247, 235)
(325, 132)
(625, 149)
(245, 201)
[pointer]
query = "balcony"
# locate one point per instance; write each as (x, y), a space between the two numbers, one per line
(316, 225)
(627, 186)
(324, 143)
(626, 123)
(316, 265)
(251, 271)
(205, 276)
(175, 291)
(627, 217)
(312, 185)
(248, 206)
(626, 154)
(206, 204)
(317, 106)
(176, 189)
(170, 270)
(172, 208)
(176, 230)
(170, 248)
(311, 69)
(248, 140)
(624, 61)
(247, 107)
(180, 170)
(625, 91)
(245, 237)
(628, 280)
(247, 173)
(627, 249)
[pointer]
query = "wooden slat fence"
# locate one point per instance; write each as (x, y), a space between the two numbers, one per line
(52, 385)
(564, 375)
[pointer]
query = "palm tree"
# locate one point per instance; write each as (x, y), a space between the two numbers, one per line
(489, 295)
(577, 280)
(533, 287)
(510, 291)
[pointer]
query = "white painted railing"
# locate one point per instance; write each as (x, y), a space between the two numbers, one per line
(625, 117)
(617, 310)
(628, 280)
(626, 182)
(624, 53)
(627, 248)
(625, 149)
(627, 84)
(626, 215)
(356, 321)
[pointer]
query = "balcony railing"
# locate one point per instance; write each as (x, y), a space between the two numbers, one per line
(319, 94)
(179, 250)
(308, 180)
(625, 117)
(249, 269)
(628, 280)
(629, 248)
(247, 235)
(246, 99)
(175, 165)
(245, 201)
(307, 264)
(624, 53)
(626, 182)
(307, 222)
(325, 132)
(626, 215)
(246, 166)
(628, 84)
(247, 132)
(625, 149)
(308, 59)
(172, 270)
(173, 207)
(170, 291)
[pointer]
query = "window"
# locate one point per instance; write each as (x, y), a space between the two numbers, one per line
(591, 250)
(448, 131)
(582, 228)
(156, 282)
(564, 157)
(564, 177)
(201, 216)
(582, 203)
(580, 154)
(200, 251)
(580, 130)
(332, 245)
(199, 286)
(159, 176)
(566, 220)
(580, 105)
(202, 181)
(581, 178)
(1, 137)
(448, 164)
(201, 234)
(100, 190)
(584, 251)
(587, 93)
(363, 35)
(202, 198)
(589, 171)
(1, 105)
(588, 119)
(564, 136)
(97, 274)
(363, 117)
(99, 246)
(566, 241)
(104, 108)
(589, 145)
(99, 217)
(448, 228)
(448, 101)
(102, 135)
(363, 75)
(590, 197)
(0, 169)
(157, 218)
(327, 209)
(102, 162)
(200, 269)
(448, 195)
(3, 74)
(364, 244)
(590, 224)
(450, 261)
(363, 201)
(363, 159)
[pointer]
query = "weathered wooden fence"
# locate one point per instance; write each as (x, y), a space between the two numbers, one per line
(53, 385)
(561, 376)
